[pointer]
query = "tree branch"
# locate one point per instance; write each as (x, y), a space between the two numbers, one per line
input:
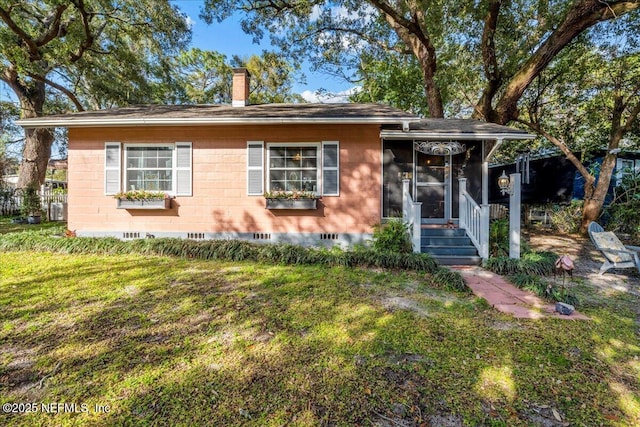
(29, 42)
(489, 61)
(54, 26)
(631, 119)
(588, 177)
(582, 15)
(72, 97)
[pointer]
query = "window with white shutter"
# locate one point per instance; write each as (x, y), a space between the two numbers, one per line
(330, 168)
(183, 169)
(255, 168)
(112, 165)
(149, 167)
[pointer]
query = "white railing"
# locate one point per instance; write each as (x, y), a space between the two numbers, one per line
(474, 219)
(412, 215)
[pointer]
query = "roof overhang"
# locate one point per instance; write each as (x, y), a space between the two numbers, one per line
(458, 136)
(52, 122)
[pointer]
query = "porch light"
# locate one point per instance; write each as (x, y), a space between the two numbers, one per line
(504, 183)
(440, 148)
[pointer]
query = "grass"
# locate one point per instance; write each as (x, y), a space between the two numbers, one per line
(7, 227)
(172, 341)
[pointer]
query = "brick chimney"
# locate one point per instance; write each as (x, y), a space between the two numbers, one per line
(240, 96)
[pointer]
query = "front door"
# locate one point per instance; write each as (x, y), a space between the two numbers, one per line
(433, 187)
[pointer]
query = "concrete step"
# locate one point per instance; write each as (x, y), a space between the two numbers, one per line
(449, 246)
(458, 260)
(450, 250)
(443, 232)
(445, 241)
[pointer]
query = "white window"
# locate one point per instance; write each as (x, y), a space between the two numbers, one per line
(293, 168)
(149, 167)
(626, 167)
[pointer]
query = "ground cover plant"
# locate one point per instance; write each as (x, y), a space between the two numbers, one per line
(7, 226)
(173, 341)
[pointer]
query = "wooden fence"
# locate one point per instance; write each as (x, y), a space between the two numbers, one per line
(53, 204)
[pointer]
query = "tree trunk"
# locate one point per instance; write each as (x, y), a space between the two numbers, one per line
(35, 156)
(431, 89)
(593, 205)
(38, 142)
(415, 36)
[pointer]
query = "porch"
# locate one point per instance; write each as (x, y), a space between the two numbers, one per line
(436, 177)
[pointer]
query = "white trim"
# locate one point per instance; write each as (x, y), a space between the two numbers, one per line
(177, 168)
(476, 136)
(113, 168)
(256, 168)
(172, 146)
(332, 168)
(316, 145)
(182, 121)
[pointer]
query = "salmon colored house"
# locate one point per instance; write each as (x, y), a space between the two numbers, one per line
(364, 163)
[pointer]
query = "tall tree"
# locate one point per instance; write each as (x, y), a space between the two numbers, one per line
(596, 107)
(515, 40)
(271, 78)
(51, 44)
(205, 77)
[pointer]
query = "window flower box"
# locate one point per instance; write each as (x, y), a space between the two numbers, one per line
(291, 200)
(291, 204)
(144, 204)
(139, 199)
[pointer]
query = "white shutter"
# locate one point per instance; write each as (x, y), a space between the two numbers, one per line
(112, 173)
(184, 176)
(330, 168)
(255, 168)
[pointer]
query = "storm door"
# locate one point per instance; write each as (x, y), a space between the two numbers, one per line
(433, 186)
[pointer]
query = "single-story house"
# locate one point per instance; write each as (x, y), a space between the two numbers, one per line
(216, 162)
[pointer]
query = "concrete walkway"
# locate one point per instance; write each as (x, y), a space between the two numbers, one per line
(505, 297)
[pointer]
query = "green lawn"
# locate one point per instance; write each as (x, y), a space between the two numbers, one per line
(6, 226)
(164, 341)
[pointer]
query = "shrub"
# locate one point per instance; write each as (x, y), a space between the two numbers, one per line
(567, 218)
(623, 213)
(232, 250)
(392, 237)
(536, 263)
(544, 288)
(499, 238)
(451, 280)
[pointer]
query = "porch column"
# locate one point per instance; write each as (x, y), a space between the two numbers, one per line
(514, 216)
(462, 203)
(406, 200)
(412, 215)
(484, 207)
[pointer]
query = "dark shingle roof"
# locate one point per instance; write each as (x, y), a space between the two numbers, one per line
(455, 129)
(223, 114)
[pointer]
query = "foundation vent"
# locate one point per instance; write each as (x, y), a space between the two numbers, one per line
(195, 236)
(131, 235)
(329, 236)
(261, 236)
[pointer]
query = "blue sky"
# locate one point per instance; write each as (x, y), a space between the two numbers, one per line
(228, 38)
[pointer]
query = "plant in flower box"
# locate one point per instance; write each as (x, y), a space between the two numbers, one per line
(291, 200)
(142, 199)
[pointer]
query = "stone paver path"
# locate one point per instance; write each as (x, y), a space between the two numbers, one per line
(505, 297)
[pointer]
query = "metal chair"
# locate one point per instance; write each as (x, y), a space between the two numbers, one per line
(615, 253)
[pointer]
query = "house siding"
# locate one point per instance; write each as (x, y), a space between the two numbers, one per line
(220, 203)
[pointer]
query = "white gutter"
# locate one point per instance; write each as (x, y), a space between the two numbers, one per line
(45, 122)
(477, 136)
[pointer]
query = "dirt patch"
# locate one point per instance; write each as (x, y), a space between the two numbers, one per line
(402, 303)
(587, 261)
